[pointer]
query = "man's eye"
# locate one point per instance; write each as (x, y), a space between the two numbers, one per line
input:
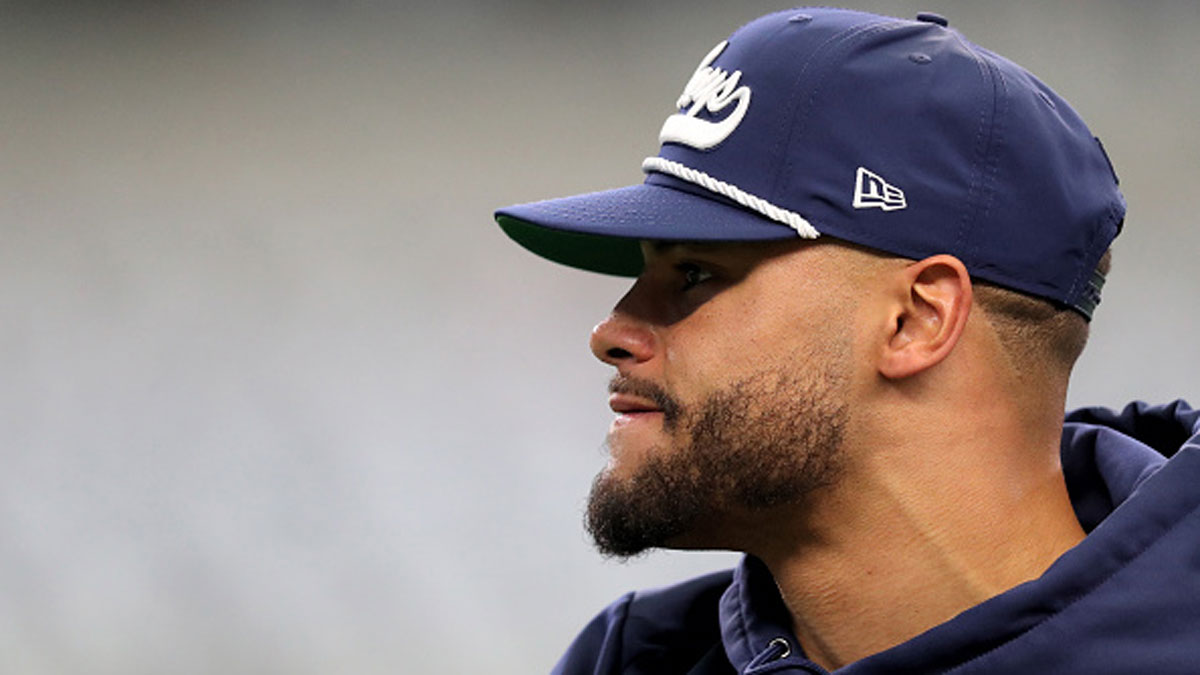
(693, 275)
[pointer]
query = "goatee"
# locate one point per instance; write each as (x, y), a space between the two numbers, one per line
(765, 441)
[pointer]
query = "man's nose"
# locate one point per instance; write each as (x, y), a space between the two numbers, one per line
(622, 341)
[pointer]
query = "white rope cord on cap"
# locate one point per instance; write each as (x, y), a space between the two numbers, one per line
(789, 218)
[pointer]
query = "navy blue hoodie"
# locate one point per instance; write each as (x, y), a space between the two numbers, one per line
(1124, 600)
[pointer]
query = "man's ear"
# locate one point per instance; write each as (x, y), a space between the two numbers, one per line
(933, 298)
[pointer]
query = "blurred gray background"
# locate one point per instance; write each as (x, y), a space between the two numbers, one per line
(278, 397)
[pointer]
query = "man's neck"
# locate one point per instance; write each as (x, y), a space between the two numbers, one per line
(906, 555)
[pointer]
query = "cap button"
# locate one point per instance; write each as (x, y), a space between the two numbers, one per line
(930, 17)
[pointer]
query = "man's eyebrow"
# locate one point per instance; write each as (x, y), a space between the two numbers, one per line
(665, 246)
(661, 247)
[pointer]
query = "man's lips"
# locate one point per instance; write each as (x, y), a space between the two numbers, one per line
(629, 404)
(638, 401)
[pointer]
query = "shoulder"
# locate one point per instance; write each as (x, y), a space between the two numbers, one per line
(663, 630)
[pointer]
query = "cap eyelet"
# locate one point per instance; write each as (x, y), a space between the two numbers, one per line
(919, 58)
(801, 18)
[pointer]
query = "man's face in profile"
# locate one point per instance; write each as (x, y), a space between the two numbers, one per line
(733, 363)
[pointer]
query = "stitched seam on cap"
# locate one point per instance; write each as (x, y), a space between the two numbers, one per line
(977, 204)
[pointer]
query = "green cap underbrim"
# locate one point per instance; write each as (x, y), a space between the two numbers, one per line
(619, 256)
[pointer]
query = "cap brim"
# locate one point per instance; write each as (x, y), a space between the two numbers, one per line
(601, 231)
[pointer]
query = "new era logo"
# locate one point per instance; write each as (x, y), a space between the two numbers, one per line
(872, 191)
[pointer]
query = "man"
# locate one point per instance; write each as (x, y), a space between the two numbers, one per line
(866, 258)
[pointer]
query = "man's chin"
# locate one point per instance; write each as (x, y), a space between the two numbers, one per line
(638, 506)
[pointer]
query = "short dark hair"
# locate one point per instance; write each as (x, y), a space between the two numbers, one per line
(1037, 334)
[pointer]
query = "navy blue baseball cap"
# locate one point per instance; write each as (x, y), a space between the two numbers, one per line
(896, 135)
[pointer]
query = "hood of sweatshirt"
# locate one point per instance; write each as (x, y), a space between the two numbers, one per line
(1126, 599)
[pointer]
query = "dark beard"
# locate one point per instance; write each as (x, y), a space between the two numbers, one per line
(766, 441)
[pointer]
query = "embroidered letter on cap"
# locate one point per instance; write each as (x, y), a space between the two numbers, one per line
(712, 89)
(872, 191)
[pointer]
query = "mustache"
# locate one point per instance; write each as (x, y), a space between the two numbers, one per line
(671, 408)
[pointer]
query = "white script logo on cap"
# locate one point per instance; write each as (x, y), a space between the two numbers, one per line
(712, 89)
